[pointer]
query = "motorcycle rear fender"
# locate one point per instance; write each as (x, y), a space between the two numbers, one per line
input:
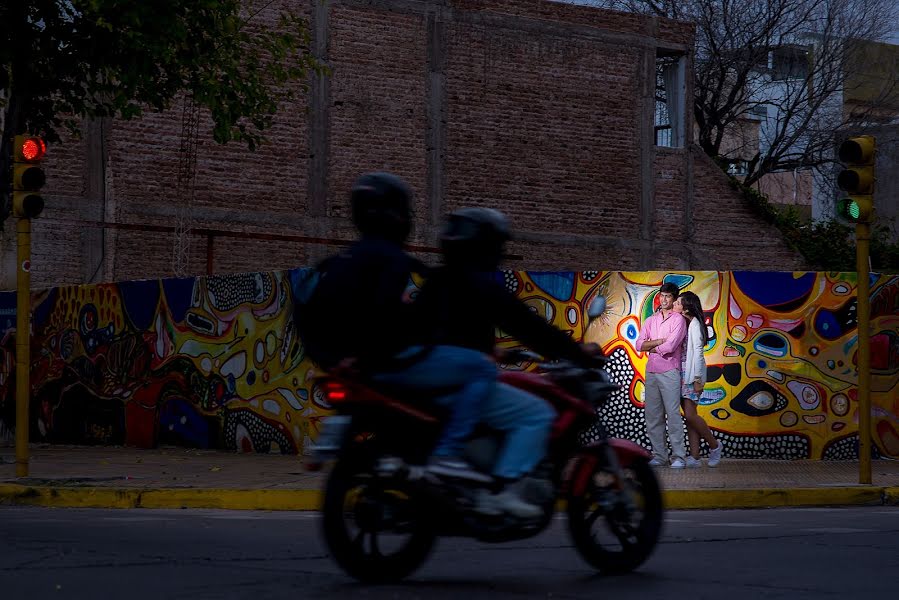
(627, 451)
(584, 464)
(345, 396)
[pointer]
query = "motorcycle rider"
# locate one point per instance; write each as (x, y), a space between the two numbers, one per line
(355, 311)
(462, 304)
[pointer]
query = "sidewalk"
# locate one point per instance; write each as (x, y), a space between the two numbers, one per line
(117, 477)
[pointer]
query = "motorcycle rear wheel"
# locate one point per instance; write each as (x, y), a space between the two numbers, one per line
(361, 517)
(615, 532)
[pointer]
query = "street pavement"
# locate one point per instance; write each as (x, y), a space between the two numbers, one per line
(170, 477)
(745, 554)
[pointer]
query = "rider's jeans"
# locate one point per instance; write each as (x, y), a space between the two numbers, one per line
(469, 374)
(526, 420)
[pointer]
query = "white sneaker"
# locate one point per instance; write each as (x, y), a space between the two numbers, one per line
(657, 462)
(715, 454)
(678, 463)
(693, 463)
(456, 468)
(508, 502)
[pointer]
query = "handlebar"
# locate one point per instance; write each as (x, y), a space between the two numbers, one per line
(517, 355)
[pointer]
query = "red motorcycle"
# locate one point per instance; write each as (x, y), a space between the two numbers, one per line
(382, 513)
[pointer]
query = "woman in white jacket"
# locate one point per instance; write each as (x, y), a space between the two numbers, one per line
(693, 373)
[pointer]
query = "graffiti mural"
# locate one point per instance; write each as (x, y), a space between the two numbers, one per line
(210, 362)
(781, 359)
(214, 362)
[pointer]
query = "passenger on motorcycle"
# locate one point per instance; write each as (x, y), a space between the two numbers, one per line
(353, 311)
(461, 304)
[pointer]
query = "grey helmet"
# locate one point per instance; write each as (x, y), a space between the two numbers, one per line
(474, 238)
(382, 206)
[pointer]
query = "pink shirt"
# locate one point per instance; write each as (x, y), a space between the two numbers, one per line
(673, 329)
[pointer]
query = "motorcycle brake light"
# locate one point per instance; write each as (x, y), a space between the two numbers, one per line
(334, 392)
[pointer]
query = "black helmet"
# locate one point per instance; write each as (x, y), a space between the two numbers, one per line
(474, 238)
(381, 204)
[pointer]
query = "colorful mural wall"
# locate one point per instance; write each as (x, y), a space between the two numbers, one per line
(213, 362)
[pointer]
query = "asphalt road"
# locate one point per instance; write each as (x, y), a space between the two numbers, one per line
(197, 554)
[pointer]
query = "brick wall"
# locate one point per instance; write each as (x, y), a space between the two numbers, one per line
(727, 232)
(540, 108)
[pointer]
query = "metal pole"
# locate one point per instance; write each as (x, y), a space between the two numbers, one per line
(862, 250)
(210, 256)
(23, 345)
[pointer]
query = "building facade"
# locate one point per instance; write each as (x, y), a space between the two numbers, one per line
(541, 109)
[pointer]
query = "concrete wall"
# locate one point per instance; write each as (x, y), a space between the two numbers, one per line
(542, 109)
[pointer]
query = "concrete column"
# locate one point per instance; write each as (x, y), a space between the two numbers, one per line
(435, 135)
(93, 239)
(646, 129)
(319, 122)
(319, 114)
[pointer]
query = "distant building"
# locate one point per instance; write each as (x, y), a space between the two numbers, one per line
(869, 96)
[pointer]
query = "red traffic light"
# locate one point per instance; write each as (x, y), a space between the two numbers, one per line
(31, 149)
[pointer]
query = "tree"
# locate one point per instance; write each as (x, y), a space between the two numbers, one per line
(784, 62)
(62, 61)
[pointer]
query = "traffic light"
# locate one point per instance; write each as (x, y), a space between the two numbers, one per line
(857, 180)
(28, 176)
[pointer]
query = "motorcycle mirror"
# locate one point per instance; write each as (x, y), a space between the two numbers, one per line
(597, 307)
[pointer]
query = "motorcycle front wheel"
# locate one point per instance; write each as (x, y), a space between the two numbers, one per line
(616, 527)
(378, 531)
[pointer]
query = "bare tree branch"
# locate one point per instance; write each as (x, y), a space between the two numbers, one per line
(786, 64)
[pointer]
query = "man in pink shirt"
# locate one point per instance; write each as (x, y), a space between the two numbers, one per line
(662, 338)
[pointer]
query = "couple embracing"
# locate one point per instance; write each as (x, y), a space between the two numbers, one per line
(674, 338)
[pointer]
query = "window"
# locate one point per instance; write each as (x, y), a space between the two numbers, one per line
(759, 111)
(737, 168)
(669, 101)
(789, 62)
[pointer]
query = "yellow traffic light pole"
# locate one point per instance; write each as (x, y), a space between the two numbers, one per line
(27, 203)
(858, 153)
(863, 289)
(23, 343)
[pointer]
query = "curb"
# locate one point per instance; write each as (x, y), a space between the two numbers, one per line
(310, 500)
(111, 497)
(781, 497)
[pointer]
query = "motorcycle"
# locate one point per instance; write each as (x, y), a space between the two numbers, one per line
(383, 512)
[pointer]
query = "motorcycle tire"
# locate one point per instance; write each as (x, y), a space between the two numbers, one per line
(355, 498)
(633, 528)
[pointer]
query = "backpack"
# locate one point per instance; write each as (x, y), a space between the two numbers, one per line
(313, 308)
(356, 304)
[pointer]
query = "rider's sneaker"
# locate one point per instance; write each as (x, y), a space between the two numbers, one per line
(715, 454)
(455, 468)
(508, 502)
(693, 463)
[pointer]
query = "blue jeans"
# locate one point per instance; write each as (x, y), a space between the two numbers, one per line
(526, 420)
(469, 375)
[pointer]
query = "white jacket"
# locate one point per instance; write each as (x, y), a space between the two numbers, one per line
(694, 366)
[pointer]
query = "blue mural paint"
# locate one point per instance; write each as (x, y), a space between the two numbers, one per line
(42, 311)
(827, 325)
(558, 285)
(140, 299)
(772, 345)
(178, 296)
(179, 419)
(775, 290)
(678, 279)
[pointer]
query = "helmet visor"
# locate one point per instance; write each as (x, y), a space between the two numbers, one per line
(461, 228)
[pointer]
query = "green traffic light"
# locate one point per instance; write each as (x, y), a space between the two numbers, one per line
(849, 209)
